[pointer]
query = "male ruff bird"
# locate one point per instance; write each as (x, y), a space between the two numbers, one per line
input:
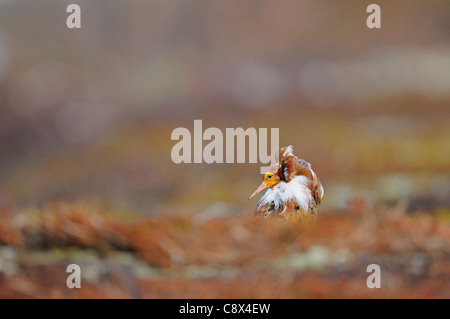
(294, 190)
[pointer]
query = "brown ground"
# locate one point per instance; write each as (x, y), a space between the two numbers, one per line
(224, 256)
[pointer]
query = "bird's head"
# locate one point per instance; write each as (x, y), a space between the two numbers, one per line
(270, 180)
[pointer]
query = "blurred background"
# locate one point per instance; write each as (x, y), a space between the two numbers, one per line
(86, 117)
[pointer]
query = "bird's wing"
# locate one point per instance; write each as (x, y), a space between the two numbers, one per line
(288, 162)
(291, 166)
(317, 189)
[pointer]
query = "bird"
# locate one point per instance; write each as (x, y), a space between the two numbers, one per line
(294, 191)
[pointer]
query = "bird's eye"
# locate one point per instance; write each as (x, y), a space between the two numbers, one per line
(269, 176)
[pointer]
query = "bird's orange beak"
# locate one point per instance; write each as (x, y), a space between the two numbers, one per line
(260, 188)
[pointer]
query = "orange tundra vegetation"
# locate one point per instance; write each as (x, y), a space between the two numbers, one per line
(230, 256)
